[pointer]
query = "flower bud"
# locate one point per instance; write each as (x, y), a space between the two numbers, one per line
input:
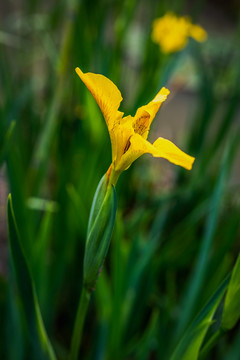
(100, 228)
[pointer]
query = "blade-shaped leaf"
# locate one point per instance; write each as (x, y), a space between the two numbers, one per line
(189, 346)
(41, 344)
(200, 271)
(231, 311)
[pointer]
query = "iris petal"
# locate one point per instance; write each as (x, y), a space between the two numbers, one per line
(129, 134)
(145, 114)
(106, 94)
(160, 148)
(167, 150)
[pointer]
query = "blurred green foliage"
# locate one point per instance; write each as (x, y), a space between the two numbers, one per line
(176, 238)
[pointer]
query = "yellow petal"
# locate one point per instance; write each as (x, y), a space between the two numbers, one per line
(198, 33)
(166, 149)
(145, 114)
(160, 148)
(137, 147)
(120, 135)
(106, 95)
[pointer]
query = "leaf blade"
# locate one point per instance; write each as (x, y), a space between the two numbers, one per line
(41, 344)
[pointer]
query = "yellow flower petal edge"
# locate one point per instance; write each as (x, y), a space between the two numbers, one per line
(129, 134)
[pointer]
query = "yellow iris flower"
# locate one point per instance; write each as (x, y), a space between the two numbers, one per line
(129, 134)
(171, 32)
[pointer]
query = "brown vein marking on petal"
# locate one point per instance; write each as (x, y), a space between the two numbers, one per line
(141, 124)
(127, 146)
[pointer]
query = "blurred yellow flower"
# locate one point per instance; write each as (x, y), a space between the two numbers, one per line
(171, 32)
(129, 134)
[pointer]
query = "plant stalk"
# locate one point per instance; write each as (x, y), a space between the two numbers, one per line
(79, 323)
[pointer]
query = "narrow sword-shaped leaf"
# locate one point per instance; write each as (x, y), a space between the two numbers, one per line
(41, 344)
(189, 346)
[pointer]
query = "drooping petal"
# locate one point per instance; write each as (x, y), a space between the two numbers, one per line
(160, 148)
(106, 94)
(145, 114)
(167, 150)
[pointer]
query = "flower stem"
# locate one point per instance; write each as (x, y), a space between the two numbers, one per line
(112, 175)
(79, 322)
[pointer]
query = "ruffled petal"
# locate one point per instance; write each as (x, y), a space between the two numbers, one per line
(106, 94)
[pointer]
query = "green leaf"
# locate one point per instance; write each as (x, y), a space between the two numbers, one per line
(189, 346)
(200, 270)
(231, 310)
(41, 344)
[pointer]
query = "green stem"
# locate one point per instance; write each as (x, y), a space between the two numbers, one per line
(212, 341)
(79, 322)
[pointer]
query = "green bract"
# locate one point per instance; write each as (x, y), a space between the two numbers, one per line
(100, 227)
